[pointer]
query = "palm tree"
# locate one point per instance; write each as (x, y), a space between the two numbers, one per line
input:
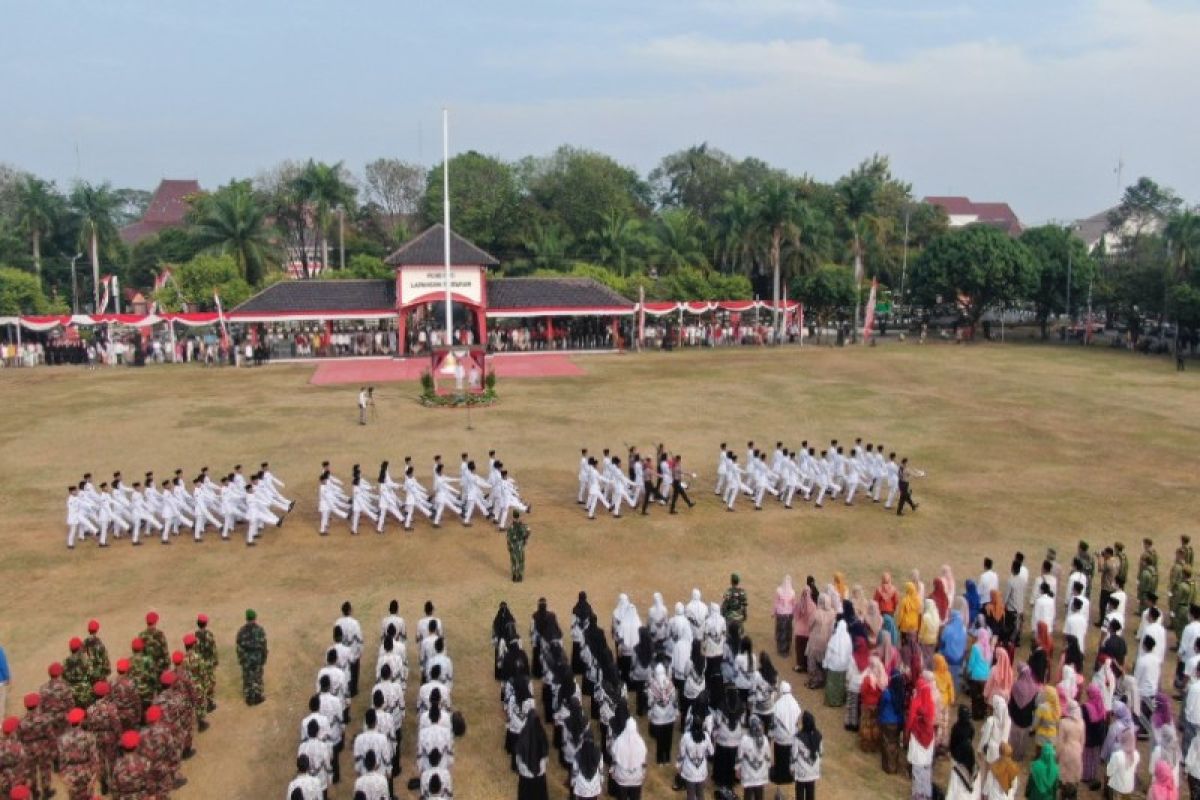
(738, 236)
(681, 237)
(38, 208)
(326, 186)
(95, 207)
(618, 241)
(548, 244)
(856, 201)
(232, 221)
(780, 212)
(1182, 233)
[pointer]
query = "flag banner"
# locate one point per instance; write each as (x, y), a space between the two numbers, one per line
(105, 286)
(869, 322)
(221, 319)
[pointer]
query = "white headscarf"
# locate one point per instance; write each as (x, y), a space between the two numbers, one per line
(839, 649)
(996, 730)
(627, 621)
(1068, 687)
(657, 612)
(697, 611)
(629, 749)
(786, 713)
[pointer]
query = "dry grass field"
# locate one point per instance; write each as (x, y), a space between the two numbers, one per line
(1025, 447)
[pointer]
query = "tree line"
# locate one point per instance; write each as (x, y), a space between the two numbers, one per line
(700, 225)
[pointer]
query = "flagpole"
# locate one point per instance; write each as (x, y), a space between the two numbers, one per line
(446, 220)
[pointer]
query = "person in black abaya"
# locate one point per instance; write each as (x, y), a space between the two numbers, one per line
(532, 751)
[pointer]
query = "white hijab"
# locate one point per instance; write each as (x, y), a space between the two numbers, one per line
(839, 649)
(658, 611)
(786, 710)
(696, 609)
(629, 749)
(629, 623)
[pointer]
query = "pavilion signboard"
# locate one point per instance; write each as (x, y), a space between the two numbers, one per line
(427, 284)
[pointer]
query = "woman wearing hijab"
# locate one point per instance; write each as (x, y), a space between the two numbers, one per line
(974, 602)
(838, 655)
(908, 620)
(754, 761)
(839, 586)
(1046, 717)
(1022, 704)
(996, 730)
(762, 691)
(885, 648)
(947, 577)
(1072, 655)
(979, 669)
(1039, 665)
(693, 684)
(1122, 766)
(965, 780)
(695, 749)
(941, 599)
(1069, 748)
(860, 660)
(873, 621)
(1095, 727)
(922, 718)
(943, 684)
(859, 600)
(629, 762)
(657, 619)
(1166, 751)
(994, 615)
(785, 717)
(625, 625)
(806, 758)
(818, 639)
(804, 611)
(1068, 686)
(954, 645)
(886, 595)
(874, 682)
(641, 668)
(726, 738)
(1165, 786)
(927, 633)
(1000, 679)
(532, 750)
(892, 716)
(1043, 776)
(587, 772)
(663, 712)
(784, 608)
(1003, 777)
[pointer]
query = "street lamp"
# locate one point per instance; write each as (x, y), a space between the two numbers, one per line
(75, 285)
(341, 212)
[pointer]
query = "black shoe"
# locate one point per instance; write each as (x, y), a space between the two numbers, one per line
(291, 505)
(201, 726)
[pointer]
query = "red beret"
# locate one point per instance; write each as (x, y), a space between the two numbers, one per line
(153, 714)
(202, 619)
(11, 724)
(93, 626)
(101, 689)
(32, 700)
(123, 666)
(20, 793)
(189, 640)
(152, 618)
(75, 716)
(130, 740)
(55, 669)
(177, 657)
(138, 645)
(167, 678)
(75, 644)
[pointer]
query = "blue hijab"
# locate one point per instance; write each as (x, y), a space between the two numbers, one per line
(978, 667)
(974, 602)
(889, 625)
(954, 640)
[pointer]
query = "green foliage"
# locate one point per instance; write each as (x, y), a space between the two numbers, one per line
(1055, 252)
(231, 220)
(194, 283)
(484, 200)
(95, 210)
(21, 293)
(979, 267)
(489, 382)
(361, 267)
(578, 188)
(826, 292)
(620, 242)
(547, 244)
(681, 241)
(427, 387)
(171, 246)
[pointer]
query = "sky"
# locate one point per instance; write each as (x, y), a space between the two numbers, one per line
(1030, 102)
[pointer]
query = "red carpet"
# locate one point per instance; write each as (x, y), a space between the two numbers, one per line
(384, 370)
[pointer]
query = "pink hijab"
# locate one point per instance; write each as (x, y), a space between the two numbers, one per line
(785, 597)
(1000, 679)
(1164, 787)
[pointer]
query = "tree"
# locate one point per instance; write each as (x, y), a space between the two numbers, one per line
(171, 246)
(619, 242)
(325, 187)
(826, 292)
(95, 207)
(21, 293)
(131, 204)
(580, 187)
(196, 281)
(779, 214)
(362, 267)
(978, 267)
(396, 186)
(38, 209)
(1058, 256)
(484, 201)
(1142, 206)
(738, 235)
(680, 239)
(1183, 240)
(697, 178)
(858, 205)
(548, 243)
(231, 220)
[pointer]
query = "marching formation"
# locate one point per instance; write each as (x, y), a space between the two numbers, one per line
(493, 497)
(658, 479)
(123, 736)
(376, 749)
(166, 507)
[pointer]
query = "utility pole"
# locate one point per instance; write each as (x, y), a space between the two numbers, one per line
(904, 257)
(341, 236)
(75, 285)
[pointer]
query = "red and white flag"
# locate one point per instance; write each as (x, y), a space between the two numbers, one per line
(106, 287)
(160, 283)
(221, 318)
(869, 322)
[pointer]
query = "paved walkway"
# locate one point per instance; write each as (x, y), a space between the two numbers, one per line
(385, 370)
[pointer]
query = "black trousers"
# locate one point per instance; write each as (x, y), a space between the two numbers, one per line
(905, 497)
(629, 793)
(662, 742)
(650, 493)
(677, 491)
(354, 678)
(806, 790)
(1104, 598)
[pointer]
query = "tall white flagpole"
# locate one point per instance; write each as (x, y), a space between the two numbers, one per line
(446, 221)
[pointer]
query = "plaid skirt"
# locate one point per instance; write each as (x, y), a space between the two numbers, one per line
(852, 710)
(835, 688)
(1091, 764)
(889, 748)
(783, 633)
(868, 729)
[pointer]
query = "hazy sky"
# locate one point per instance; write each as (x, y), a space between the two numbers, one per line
(1027, 101)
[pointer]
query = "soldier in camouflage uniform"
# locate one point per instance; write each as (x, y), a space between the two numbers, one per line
(38, 736)
(76, 675)
(177, 713)
(518, 535)
(252, 656)
(156, 644)
(160, 749)
(95, 655)
(206, 649)
(1147, 583)
(186, 685)
(57, 698)
(13, 763)
(202, 679)
(126, 698)
(1182, 594)
(132, 775)
(78, 758)
(1185, 544)
(1087, 563)
(104, 722)
(734, 604)
(1123, 569)
(142, 671)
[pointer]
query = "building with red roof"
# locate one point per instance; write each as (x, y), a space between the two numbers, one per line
(167, 209)
(963, 211)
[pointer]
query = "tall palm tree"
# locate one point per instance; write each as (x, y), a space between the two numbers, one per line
(1182, 233)
(619, 241)
(232, 221)
(857, 196)
(780, 211)
(548, 244)
(95, 207)
(681, 236)
(38, 208)
(326, 186)
(738, 236)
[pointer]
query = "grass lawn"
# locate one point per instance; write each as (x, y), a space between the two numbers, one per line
(1025, 447)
